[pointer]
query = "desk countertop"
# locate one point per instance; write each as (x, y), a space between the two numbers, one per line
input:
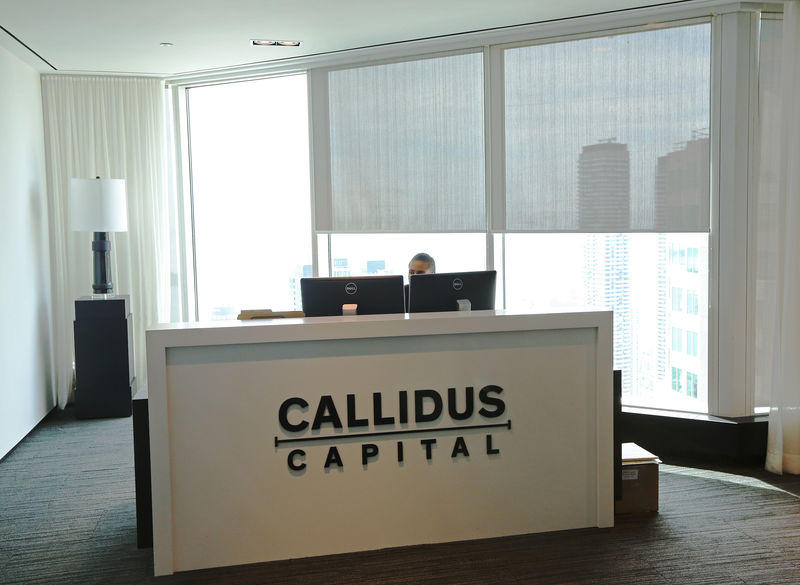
(365, 326)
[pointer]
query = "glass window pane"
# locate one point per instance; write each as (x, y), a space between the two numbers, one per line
(609, 134)
(359, 254)
(250, 185)
(630, 274)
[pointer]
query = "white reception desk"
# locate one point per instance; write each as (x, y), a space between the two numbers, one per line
(294, 438)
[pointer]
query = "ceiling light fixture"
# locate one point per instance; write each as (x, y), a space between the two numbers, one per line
(165, 44)
(266, 43)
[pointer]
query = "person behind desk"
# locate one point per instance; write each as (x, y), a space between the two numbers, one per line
(421, 263)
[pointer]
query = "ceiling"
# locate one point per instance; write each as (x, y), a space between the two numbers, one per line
(108, 36)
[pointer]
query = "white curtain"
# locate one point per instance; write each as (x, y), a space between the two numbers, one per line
(112, 127)
(778, 253)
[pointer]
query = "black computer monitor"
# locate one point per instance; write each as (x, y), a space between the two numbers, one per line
(324, 296)
(442, 291)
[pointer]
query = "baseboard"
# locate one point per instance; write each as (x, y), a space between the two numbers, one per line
(6, 450)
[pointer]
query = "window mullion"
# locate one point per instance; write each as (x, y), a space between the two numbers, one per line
(734, 60)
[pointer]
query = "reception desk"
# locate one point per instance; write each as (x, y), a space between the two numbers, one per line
(301, 437)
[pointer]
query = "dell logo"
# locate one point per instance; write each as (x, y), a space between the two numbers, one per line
(458, 284)
(351, 288)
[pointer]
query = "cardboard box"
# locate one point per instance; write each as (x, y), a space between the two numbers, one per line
(639, 481)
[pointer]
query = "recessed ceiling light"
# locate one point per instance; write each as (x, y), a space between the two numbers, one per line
(267, 43)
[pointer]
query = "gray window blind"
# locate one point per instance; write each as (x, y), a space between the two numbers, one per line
(406, 147)
(609, 134)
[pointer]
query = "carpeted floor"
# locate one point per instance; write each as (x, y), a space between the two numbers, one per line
(67, 515)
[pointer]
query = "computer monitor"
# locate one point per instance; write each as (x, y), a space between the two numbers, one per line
(324, 296)
(442, 291)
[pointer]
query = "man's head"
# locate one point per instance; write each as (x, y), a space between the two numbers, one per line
(422, 263)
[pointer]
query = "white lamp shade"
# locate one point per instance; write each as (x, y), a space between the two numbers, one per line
(98, 205)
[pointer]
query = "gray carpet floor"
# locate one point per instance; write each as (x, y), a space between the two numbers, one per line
(67, 515)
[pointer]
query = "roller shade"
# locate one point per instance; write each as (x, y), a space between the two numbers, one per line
(609, 134)
(406, 147)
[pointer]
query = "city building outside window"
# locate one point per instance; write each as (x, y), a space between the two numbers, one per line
(677, 339)
(692, 259)
(605, 173)
(691, 385)
(677, 298)
(692, 303)
(676, 379)
(691, 343)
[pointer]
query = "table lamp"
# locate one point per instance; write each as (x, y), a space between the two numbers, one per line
(99, 206)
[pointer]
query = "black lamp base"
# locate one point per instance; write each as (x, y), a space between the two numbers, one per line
(101, 251)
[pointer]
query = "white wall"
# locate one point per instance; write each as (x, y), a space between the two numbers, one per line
(26, 393)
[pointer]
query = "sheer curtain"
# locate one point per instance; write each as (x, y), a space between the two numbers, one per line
(111, 127)
(778, 253)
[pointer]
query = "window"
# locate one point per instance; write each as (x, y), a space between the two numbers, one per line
(250, 188)
(692, 303)
(691, 343)
(692, 258)
(677, 298)
(580, 270)
(364, 253)
(677, 254)
(599, 181)
(608, 137)
(627, 273)
(676, 379)
(691, 385)
(677, 339)
(673, 254)
(341, 267)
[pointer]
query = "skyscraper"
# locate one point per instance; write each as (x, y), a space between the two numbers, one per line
(376, 266)
(304, 271)
(604, 187)
(682, 186)
(341, 267)
(604, 206)
(682, 194)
